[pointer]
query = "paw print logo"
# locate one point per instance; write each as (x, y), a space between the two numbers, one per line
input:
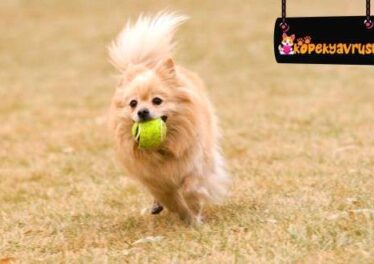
(300, 41)
(307, 39)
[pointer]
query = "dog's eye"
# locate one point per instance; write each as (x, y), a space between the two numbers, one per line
(133, 103)
(157, 101)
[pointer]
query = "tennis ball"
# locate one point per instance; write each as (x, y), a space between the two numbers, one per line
(149, 134)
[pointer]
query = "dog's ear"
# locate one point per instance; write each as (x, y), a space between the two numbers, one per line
(166, 69)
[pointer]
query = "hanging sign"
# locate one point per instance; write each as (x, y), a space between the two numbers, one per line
(324, 40)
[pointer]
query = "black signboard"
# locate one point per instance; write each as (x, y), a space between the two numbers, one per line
(324, 40)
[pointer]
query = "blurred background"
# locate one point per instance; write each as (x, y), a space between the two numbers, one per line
(298, 139)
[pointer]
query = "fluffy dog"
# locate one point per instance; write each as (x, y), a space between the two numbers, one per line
(187, 171)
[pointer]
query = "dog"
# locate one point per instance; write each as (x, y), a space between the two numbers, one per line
(187, 171)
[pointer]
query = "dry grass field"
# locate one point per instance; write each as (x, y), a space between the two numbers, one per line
(299, 141)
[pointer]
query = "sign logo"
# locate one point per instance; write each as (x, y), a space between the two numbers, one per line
(304, 45)
(286, 46)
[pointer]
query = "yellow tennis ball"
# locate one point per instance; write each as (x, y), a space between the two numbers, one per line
(149, 134)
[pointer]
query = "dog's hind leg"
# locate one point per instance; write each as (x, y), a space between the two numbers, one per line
(195, 196)
(196, 204)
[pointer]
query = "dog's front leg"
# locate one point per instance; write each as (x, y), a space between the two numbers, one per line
(175, 202)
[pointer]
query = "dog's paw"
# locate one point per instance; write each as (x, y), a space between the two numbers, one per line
(156, 208)
(198, 221)
(192, 220)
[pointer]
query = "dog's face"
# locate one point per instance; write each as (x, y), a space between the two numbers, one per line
(143, 97)
(145, 94)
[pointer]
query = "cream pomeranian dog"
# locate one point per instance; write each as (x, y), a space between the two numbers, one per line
(187, 171)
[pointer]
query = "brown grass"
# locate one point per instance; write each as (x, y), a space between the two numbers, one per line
(299, 141)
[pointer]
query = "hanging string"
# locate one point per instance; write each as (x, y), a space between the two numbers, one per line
(367, 9)
(284, 9)
(284, 26)
(368, 22)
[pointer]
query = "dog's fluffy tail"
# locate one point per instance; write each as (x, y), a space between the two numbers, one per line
(147, 41)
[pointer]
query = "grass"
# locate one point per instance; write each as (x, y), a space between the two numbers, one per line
(298, 139)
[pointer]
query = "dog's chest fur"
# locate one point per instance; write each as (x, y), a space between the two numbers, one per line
(160, 169)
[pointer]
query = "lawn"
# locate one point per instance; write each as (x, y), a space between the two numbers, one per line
(299, 141)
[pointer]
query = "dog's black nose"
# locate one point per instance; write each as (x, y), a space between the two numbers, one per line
(144, 114)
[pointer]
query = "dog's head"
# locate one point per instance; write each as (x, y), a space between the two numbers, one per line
(146, 93)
